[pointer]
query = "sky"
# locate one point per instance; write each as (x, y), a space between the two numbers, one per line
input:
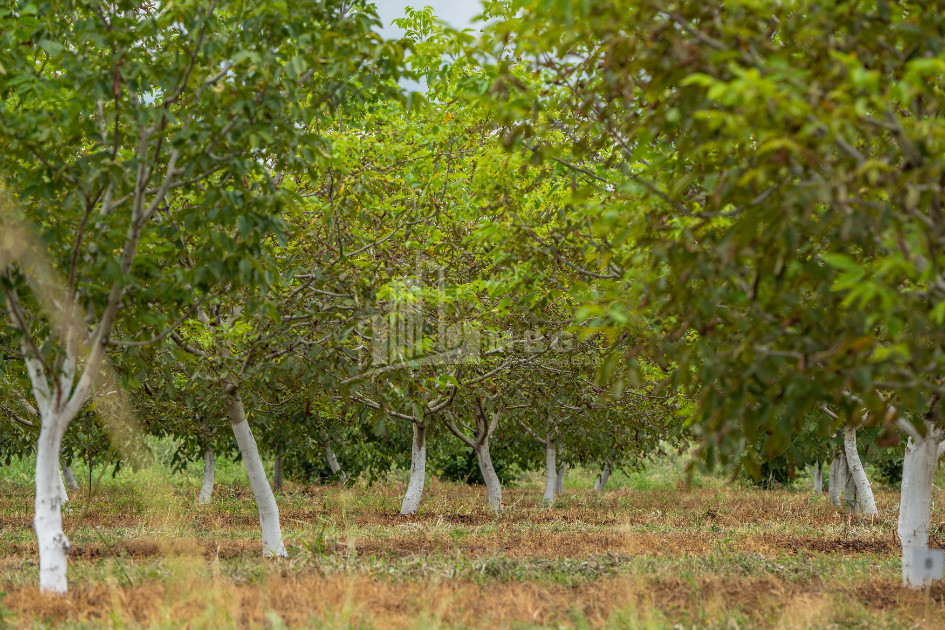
(456, 13)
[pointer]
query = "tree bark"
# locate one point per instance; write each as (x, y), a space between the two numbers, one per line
(559, 478)
(865, 502)
(54, 546)
(818, 471)
(418, 469)
(63, 495)
(493, 485)
(333, 464)
(71, 482)
(265, 499)
(918, 470)
(837, 468)
(551, 471)
(277, 473)
(602, 478)
(209, 471)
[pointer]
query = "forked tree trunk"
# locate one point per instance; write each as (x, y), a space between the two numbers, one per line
(818, 472)
(838, 467)
(265, 499)
(918, 469)
(277, 473)
(71, 482)
(559, 478)
(418, 469)
(551, 471)
(209, 471)
(493, 485)
(865, 502)
(333, 464)
(54, 546)
(602, 478)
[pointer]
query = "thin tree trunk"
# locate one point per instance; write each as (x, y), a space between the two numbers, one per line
(277, 475)
(493, 485)
(265, 499)
(551, 471)
(559, 478)
(838, 469)
(866, 504)
(62, 488)
(849, 499)
(602, 478)
(54, 546)
(818, 471)
(418, 469)
(71, 482)
(333, 464)
(918, 470)
(209, 471)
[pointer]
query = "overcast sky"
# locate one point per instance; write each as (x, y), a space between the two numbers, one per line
(456, 13)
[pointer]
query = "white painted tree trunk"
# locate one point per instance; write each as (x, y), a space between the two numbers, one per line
(915, 502)
(63, 495)
(551, 471)
(493, 485)
(602, 478)
(209, 471)
(265, 499)
(54, 546)
(835, 489)
(559, 478)
(865, 502)
(418, 469)
(71, 482)
(333, 464)
(818, 471)
(277, 473)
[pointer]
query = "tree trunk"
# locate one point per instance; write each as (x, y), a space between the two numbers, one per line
(849, 499)
(918, 469)
(866, 504)
(559, 478)
(493, 486)
(418, 469)
(209, 470)
(551, 471)
(71, 483)
(265, 499)
(602, 478)
(277, 476)
(837, 467)
(818, 472)
(54, 546)
(333, 464)
(63, 495)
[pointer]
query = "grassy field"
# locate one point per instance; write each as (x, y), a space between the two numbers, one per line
(647, 553)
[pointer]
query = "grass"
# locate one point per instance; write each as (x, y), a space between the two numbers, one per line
(647, 553)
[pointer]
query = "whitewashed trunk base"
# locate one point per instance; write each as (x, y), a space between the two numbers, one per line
(602, 478)
(418, 469)
(551, 472)
(265, 499)
(865, 503)
(53, 544)
(333, 464)
(918, 470)
(209, 472)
